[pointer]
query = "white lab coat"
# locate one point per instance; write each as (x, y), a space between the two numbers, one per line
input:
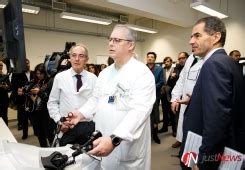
(64, 98)
(184, 85)
(128, 117)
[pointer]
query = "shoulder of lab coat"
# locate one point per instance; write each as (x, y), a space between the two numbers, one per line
(177, 91)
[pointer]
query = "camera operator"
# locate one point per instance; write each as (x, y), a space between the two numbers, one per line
(18, 82)
(71, 89)
(5, 87)
(36, 96)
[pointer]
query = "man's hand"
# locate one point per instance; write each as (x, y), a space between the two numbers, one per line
(185, 100)
(173, 75)
(35, 90)
(175, 107)
(64, 128)
(74, 118)
(102, 147)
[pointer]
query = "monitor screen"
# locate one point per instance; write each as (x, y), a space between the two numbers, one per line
(13, 36)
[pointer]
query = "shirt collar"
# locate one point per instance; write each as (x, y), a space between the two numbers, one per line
(211, 53)
(83, 73)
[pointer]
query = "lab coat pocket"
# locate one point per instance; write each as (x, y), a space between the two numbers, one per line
(122, 102)
(193, 74)
(122, 98)
(129, 151)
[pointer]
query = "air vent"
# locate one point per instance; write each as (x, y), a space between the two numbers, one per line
(123, 19)
(59, 6)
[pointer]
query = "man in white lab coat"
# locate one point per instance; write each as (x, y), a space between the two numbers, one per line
(68, 95)
(183, 89)
(123, 99)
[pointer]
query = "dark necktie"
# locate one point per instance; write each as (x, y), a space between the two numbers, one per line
(194, 61)
(79, 81)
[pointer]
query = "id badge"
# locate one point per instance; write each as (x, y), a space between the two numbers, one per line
(111, 99)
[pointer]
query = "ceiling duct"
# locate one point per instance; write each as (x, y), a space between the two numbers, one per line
(82, 10)
(123, 19)
(58, 5)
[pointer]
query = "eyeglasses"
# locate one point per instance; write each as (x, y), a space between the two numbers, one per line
(79, 55)
(181, 58)
(117, 40)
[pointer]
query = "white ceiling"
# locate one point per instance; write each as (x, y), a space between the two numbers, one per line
(177, 12)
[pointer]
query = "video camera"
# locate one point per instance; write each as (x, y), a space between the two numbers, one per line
(27, 88)
(53, 63)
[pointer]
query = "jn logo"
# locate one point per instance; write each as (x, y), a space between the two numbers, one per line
(189, 159)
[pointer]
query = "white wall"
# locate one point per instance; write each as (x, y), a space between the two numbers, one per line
(39, 43)
(42, 41)
(173, 39)
(169, 41)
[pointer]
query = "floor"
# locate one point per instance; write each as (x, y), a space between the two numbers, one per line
(164, 157)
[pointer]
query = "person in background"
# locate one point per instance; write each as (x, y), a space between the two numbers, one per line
(18, 82)
(5, 87)
(35, 92)
(66, 96)
(174, 76)
(235, 54)
(157, 71)
(93, 69)
(216, 108)
(123, 99)
(182, 91)
(102, 67)
(168, 116)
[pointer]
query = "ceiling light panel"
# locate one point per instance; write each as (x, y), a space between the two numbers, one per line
(85, 18)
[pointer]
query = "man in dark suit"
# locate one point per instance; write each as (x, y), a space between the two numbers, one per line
(18, 82)
(5, 87)
(168, 116)
(157, 71)
(215, 110)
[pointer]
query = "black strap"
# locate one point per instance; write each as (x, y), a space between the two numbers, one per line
(194, 61)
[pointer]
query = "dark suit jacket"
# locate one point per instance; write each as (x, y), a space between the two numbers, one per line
(216, 109)
(158, 74)
(159, 81)
(19, 80)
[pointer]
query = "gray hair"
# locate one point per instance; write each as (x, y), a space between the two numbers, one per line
(79, 45)
(131, 34)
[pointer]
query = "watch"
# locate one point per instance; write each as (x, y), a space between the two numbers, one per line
(115, 140)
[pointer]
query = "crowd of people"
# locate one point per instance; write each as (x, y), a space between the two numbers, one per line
(202, 92)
